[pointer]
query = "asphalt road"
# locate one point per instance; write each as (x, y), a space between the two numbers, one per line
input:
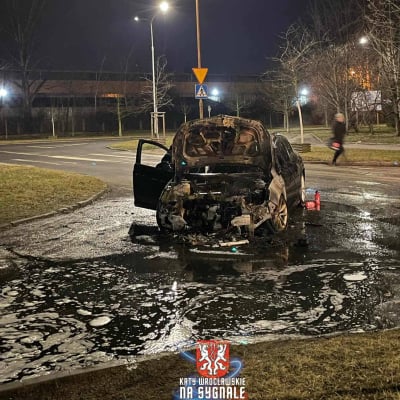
(89, 157)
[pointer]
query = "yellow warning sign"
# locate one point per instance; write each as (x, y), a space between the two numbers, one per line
(200, 74)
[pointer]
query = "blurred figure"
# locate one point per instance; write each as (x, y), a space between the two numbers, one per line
(339, 130)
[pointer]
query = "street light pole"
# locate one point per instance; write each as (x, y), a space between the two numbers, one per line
(3, 95)
(155, 108)
(201, 107)
(154, 120)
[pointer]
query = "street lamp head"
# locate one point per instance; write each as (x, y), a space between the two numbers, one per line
(304, 92)
(3, 92)
(363, 40)
(164, 6)
(136, 18)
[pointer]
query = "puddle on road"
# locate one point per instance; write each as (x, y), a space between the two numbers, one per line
(332, 271)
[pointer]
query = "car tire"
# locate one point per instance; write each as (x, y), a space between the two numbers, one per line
(279, 221)
(161, 225)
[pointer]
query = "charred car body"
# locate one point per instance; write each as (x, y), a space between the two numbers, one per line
(221, 174)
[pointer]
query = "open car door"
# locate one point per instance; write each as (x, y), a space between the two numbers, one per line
(150, 175)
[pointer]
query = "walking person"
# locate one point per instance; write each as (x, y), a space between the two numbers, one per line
(339, 130)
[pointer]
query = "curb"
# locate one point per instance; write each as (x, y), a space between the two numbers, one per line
(64, 210)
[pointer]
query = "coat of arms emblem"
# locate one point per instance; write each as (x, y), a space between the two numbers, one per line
(212, 358)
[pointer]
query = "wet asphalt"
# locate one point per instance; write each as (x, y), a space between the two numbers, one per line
(77, 290)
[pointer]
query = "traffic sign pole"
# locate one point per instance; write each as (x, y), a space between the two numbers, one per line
(201, 108)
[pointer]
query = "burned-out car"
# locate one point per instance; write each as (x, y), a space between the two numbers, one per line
(221, 174)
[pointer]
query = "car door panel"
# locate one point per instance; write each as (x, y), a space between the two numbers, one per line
(148, 180)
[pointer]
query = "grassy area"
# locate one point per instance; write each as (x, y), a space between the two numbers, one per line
(30, 191)
(348, 367)
(382, 134)
(131, 145)
(352, 155)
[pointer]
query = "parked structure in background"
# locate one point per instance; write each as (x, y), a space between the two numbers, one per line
(72, 102)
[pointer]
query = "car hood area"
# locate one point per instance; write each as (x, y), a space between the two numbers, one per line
(219, 202)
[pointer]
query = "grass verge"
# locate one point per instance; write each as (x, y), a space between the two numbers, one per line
(30, 191)
(131, 145)
(347, 367)
(352, 155)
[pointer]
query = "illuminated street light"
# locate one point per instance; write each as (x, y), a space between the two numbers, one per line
(163, 7)
(363, 41)
(304, 92)
(3, 95)
(215, 92)
(215, 95)
(303, 95)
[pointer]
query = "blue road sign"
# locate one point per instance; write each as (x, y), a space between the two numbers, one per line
(200, 91)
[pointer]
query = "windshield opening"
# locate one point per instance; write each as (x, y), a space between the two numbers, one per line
(220, 141)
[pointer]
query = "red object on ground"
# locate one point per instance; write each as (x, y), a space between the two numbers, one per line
(317, 200)
(310, 205)
(314, 204)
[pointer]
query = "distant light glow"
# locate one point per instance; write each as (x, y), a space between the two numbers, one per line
(215, 92)
(137, 19)
(164, 6)
(363, 40)
(304, 92)
(3, 92)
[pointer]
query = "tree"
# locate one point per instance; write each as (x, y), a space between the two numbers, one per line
(185, 108)
(23, 18)
(383, 19)
(163, 86)
(293, 62)
(239, 103)
(279, 93)
(337, 27)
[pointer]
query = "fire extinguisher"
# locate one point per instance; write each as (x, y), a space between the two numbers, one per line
(317, 200)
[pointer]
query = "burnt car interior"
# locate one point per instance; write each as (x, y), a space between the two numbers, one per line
(212, 141)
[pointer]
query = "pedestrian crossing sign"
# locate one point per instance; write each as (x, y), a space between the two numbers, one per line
(200, 91)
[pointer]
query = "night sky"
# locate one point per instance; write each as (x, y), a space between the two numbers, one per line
(237, 36)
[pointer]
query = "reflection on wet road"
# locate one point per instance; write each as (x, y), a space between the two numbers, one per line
(333, 270)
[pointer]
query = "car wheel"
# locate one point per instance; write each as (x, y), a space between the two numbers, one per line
(302, 191)
(279, 220)
(160, 217)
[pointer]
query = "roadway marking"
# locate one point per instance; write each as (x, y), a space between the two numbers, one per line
(59, 157)
(33, 161)
(70, 144)
(91, 159)
(22, 154)
(112, 155)
(42, 147)
(79, 158)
